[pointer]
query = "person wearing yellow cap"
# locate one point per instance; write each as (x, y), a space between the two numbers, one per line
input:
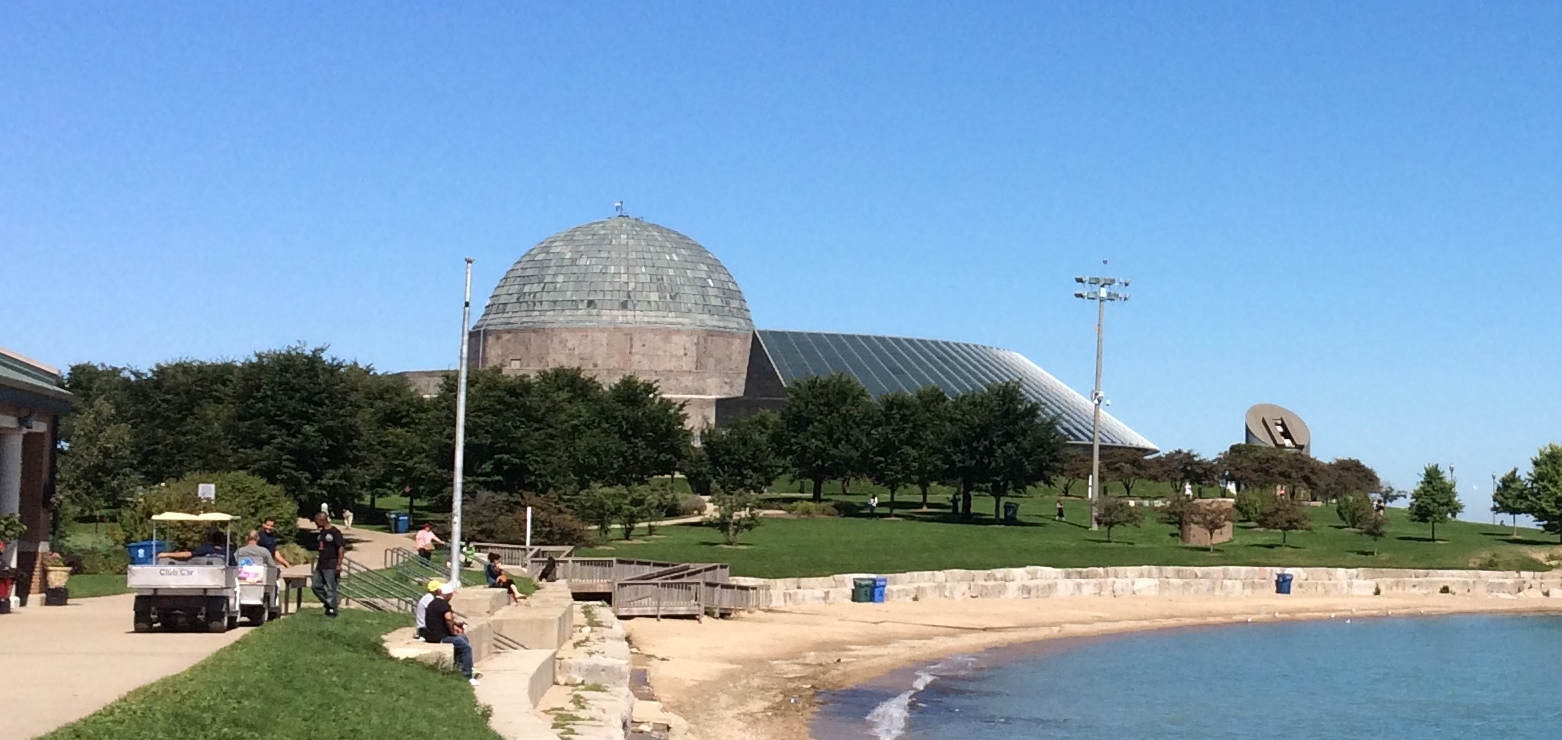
(420, 610)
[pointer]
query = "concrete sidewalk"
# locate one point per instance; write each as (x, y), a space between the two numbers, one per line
(62, 663)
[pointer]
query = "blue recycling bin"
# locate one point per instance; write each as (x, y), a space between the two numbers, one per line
(403, 522)
(879, 584)
(398, 521)
(1283, 583)
(145, 552)
(1011, 512)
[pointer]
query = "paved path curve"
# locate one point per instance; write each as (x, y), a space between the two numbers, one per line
(62, 663)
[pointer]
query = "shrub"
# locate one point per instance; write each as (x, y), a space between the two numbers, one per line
(500, 517)
(735, 514)
(1284, 515)
(691, 505)
(1174, 511)
(1115, 512)
(296, 554)
(95, 559)
(1353, 509)
(811, 510)
(1250, 504)
(249, 498)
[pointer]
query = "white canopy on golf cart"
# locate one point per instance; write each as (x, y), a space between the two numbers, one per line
(179, 516)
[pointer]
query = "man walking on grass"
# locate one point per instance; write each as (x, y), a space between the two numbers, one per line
(328, 565)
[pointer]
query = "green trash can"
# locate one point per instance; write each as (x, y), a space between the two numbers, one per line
(862, 590)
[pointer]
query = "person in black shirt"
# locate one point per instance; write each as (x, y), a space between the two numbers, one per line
(268, 540)
(328, 565)
(440, 625)
(216, 546)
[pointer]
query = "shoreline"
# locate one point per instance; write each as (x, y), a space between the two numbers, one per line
(758, 676)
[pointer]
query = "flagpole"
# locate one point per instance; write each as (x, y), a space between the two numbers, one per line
(455, 499)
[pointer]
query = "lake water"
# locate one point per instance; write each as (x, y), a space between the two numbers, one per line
(1374, 679)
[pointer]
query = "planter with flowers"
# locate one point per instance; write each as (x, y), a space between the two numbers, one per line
(59, 572)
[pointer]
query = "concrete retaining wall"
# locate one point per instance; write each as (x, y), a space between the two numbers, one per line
(1034, 582)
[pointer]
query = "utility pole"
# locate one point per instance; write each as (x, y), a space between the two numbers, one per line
(460, 463)
(1100, 292)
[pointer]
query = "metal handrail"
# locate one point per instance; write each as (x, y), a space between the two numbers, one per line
(372, 589)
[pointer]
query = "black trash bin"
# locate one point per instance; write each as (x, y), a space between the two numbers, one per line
(1011, 513)
(862, 590)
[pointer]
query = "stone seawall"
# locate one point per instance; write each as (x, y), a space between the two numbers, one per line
(1034, 582)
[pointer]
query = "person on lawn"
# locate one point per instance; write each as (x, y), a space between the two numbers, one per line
(328, 564)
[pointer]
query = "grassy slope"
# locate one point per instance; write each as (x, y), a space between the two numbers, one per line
(784, 547)
(302, 676)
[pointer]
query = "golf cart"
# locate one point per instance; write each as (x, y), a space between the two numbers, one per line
(204, 592)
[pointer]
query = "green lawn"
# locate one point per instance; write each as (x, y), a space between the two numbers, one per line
(86, 586)
(932, 541)
(298, 677)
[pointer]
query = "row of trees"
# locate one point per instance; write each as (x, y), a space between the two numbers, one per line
(993, 441)
(1538, 494)
(1248, 466)
(329, 431)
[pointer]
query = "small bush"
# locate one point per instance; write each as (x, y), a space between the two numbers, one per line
(691, 505)
(296, 554)
(1445, 590)
(1250, 504)
(811, 510)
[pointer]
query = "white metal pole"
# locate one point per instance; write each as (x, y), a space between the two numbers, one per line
(1095, 419)
(528, 531)
(455, 499)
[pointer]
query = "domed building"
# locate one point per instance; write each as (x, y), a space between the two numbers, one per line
(625, 297)
(622, 297)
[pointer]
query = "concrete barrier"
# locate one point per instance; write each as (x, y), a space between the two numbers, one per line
(1035, 582)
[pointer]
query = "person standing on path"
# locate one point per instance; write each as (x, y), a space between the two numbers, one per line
(441, 626)
(426, 540)
(267, 538)
(328, 566)
(347, 518)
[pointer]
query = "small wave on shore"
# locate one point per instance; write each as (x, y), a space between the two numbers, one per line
(889, 718)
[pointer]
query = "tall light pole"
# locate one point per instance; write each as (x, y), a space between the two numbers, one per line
(460, 464)
(1101, 292)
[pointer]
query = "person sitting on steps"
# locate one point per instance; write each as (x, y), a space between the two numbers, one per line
(493, 570)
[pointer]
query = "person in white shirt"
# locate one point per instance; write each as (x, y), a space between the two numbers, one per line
(420, 610)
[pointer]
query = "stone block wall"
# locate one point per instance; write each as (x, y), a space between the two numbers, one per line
(1033, 582)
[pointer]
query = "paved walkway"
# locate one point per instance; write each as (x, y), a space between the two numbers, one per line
(62, 663)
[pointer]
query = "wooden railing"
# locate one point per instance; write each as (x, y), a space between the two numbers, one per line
(638, 588)
(518, 556)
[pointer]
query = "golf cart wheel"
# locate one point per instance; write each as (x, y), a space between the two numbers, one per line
(257, 616)
(233, 621)
(217, 625)
(143, 623)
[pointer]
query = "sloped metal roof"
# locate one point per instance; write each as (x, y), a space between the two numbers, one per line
(30, 383)
(885, 364)
(620, 271)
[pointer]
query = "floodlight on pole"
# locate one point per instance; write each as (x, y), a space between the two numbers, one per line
(1102, 296)
(460, 461)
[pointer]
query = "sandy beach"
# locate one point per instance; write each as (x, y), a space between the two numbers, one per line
(755, 676)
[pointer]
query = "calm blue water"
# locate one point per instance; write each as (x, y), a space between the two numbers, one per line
(1464, 677)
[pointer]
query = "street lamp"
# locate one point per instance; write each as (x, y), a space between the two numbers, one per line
(1100, 291)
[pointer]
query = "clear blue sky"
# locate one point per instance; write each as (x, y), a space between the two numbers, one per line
(1353, 210)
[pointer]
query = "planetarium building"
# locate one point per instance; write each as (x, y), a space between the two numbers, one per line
(626, 297)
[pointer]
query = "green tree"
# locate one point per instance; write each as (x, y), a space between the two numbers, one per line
(1353, 509)
(824, 428)
(1285, 516)
(999, 443)
(1376, 527)
(1126, 466)
(97, 469)
(183, 416)
(736, 513)
(1434, 500)
(401, 439)
(296, 424)
(1352, 476)
(933, 430)
(1115, 512)
(1211, 519)
(893, 453)
(1512, 497)
(1250, 504)
(647, 432)
(246, 496)
(601, 507)
(1545, 489)
(1074, 469)
(1186, 466)
(741, 456)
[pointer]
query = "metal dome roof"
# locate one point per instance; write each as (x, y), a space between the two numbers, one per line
(619, 271)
